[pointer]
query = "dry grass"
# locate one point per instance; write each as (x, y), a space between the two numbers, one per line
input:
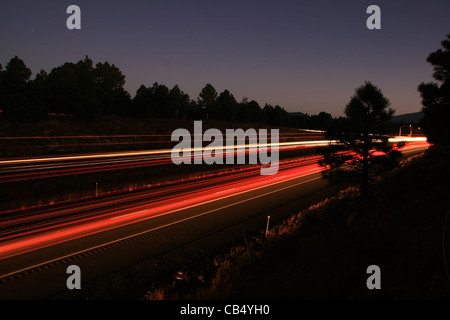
(226, 269)
(321, 253)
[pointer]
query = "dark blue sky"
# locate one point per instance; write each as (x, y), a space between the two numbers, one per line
(304, 55)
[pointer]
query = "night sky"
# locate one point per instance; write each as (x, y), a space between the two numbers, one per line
(306, 56)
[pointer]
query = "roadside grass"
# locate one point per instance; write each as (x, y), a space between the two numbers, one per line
(324, 252)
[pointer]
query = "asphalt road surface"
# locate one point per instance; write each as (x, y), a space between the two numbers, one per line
(34, 265)
(103, 236)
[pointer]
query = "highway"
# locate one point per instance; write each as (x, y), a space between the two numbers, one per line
(116, 232)
(46, 167)
(104, 235)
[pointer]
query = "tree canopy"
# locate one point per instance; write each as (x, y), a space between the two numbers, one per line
(86, 90)
(79, 89)
(361, 144)
(436, 97)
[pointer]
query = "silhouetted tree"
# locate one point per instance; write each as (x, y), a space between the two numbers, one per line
(16, 75)
(255, 111)
(194, 112)
(228, 106)
(160, 102)
(244, 112)
(73, 89)
(15, 95)
(322, 121)
(267, 114)
(140, 103)
(363, 142)
(279, 116)
(249, 111)
(39, 95)
(276, 116)
(207, 101)
(436, 97)
(179, 103)
(110, 90)
(145, 102)
(86, 91)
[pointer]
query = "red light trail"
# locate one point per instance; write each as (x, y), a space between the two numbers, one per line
(69, 224)
(66, 231)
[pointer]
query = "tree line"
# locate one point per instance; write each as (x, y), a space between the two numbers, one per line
(87, 91)
(80, 89)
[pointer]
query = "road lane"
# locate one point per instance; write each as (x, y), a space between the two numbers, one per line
(119, 216)
(166, 232)
(16, 224)
(42, 270)
(46, 167)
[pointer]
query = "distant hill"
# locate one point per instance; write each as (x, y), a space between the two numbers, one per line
(299, 114)
(413, 117)
(408, 117)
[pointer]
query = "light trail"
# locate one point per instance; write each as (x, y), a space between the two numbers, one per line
(203, 194)
(48, 167)
(130, 216)
(39, 168)
(153, 152)
(311, 143)
(168, 190)
(407, 139)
